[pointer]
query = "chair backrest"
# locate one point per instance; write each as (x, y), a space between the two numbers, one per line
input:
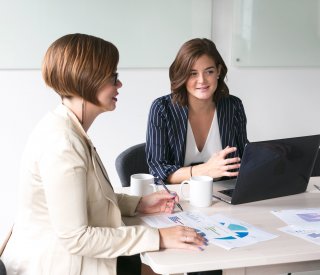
(316, 167)
(2, 268)
(2, 247)
(131, 161)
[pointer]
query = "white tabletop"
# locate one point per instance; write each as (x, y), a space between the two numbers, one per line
(285, 253)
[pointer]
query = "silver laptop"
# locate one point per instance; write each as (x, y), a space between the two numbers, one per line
(271, 169)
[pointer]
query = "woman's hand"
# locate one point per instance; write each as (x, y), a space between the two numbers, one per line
(218, 165)
(181, 237)
(156, 202)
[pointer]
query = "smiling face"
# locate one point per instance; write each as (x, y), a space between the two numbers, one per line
(203, 79)
(107, 95)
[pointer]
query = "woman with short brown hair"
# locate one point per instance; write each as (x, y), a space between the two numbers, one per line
(69, 217)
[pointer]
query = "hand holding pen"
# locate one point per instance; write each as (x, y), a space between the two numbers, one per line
(160, 201)
(166, 188)
(157, 202)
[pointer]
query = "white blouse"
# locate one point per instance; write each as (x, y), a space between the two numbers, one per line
(212, 145)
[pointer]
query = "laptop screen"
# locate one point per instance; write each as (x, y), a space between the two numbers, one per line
(275, 168)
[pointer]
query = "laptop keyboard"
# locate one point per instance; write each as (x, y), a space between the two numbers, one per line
(227, 192)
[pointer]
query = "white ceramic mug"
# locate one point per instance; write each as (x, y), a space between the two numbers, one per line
(142, 184)
(200, 191)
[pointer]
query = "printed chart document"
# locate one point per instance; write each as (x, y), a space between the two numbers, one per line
(311, 235)
(220, 230)
(304, 218)
(302, 223)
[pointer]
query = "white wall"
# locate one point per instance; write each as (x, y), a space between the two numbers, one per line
(279, 102)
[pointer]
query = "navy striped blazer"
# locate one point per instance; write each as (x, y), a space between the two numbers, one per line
(167, 131)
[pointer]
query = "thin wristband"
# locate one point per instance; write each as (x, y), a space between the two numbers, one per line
(191, 170)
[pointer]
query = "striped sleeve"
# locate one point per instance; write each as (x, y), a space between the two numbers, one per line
(165, 139)
(167, 129)
(232, 124)
(241, 129)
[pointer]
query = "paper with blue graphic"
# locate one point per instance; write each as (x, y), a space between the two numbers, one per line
(220, 230)
(239, 233)
(310, 235)
(307, 218)
(301, 223)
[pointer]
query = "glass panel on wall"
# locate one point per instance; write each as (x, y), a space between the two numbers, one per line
(276, 33)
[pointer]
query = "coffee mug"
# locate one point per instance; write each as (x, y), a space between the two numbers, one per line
(200, 191)
(142, 184)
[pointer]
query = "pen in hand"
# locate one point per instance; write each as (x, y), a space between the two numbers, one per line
(165, 187)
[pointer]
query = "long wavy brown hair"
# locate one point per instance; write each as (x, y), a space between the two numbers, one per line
(181, 67)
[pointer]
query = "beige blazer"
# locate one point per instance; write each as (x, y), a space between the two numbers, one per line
(69, 218)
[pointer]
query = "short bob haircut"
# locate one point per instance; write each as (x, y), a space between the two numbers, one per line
(79, 65)
(181, 67)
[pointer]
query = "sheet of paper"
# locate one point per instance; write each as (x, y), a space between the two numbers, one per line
(302, 218)
(311, 235)
(241, 233)
(218, 229)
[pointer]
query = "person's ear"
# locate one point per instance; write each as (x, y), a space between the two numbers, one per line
(219, 70)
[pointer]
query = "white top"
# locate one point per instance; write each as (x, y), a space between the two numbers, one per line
(212, 145)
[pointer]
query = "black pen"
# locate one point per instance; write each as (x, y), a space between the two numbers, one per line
(165, 187)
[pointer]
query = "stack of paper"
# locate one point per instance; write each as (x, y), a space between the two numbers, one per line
(302, 223)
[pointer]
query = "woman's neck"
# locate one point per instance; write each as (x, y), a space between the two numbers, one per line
(201, 106)
(82, 109)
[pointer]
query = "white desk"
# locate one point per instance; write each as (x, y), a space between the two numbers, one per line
(283, 254)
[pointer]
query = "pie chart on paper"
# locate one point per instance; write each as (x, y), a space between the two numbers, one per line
(239, 230)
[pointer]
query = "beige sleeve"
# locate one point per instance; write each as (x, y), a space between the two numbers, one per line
(63, 169)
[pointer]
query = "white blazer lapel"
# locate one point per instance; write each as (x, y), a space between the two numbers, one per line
(102, 176)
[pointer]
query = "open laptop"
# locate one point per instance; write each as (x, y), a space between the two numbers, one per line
(271, 169)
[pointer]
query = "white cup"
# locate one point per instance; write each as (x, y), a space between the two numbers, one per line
(200, 191)
(142, 184)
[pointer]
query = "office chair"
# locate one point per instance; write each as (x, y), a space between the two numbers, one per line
(2, 268)
(316, 167)
(131, 161)
(3, 244)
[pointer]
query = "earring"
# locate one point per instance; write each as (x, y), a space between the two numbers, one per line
(218, 77)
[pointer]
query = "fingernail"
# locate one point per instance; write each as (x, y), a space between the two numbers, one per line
(206, 243)
(200, 248)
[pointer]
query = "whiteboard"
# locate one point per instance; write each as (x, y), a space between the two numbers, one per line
(278, 33)
(148, 33)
